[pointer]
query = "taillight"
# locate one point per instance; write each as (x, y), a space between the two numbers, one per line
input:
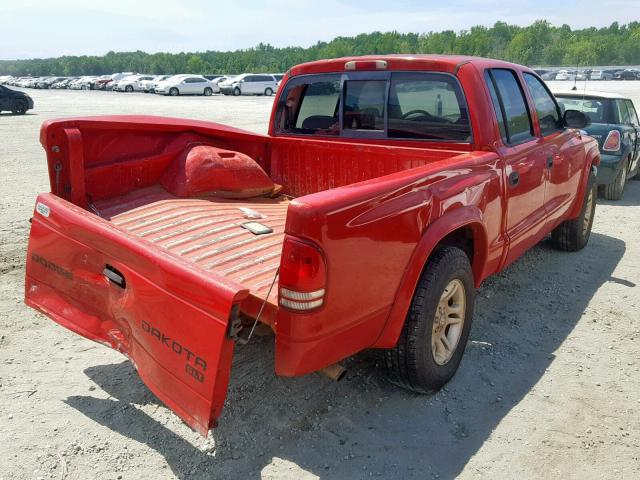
(612, 143)
(303, 276)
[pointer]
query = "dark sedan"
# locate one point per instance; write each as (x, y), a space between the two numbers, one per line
(615, 124)
(14, 101)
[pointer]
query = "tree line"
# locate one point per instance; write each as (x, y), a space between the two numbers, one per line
(535, 45)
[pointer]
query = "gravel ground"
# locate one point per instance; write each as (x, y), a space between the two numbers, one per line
(549, 386)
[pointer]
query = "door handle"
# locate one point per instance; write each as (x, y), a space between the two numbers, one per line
(514, 179)
(549, 161)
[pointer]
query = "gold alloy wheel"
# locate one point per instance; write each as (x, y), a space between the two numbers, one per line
(448, 322)
(587, 213)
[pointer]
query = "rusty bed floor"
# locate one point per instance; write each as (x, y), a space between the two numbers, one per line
(207, 232)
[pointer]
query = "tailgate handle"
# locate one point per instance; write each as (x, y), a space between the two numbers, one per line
(114, 276)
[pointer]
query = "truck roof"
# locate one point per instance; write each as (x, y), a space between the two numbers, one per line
(439, 63)
(589, 93)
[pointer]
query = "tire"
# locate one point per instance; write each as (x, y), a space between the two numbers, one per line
(237, 92)
(128, 88)
(412, 363)
(208, 92)
(615, 189)
(268, 92)
(173, 91)
(573, 235)
(19, 108)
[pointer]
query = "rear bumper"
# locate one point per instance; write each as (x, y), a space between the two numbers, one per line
(608, 168)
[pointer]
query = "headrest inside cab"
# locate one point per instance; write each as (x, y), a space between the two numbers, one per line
(210, 171)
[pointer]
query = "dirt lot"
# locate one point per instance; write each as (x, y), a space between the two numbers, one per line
(549, 386)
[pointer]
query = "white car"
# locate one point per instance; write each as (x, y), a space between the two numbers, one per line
(185, 85)
(566, 75)
(131, 83)
(82, 83)
(149, 86)
(249, 84)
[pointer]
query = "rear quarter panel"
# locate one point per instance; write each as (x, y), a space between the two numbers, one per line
(376, 236)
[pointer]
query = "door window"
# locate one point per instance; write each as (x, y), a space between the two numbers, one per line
(546, 107)
(623, 112)
(511, 105)
(632, 113)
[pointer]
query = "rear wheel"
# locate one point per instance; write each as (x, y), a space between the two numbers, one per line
(237, 92)
(19, 108)
(268, 92)
(208, 92)
(615, 189)
(174, 92)
(573, 235)
(437, 326)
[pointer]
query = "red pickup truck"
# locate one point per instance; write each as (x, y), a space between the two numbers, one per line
(387, 189)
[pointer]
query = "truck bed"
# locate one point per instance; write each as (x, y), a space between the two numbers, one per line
(207, 232)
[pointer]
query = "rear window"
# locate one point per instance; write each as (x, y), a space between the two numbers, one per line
(409, 105)
(364, 105)
(595, 108)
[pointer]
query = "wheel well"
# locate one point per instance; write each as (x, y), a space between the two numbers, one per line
(461, 238)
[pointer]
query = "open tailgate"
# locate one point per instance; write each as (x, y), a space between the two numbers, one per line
(169, 318)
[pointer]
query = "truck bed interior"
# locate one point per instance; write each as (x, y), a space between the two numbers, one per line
(117, 169)
(207, 232)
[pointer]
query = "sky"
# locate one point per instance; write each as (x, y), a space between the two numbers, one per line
(46, 28)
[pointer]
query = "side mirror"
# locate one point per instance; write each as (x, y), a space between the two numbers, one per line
(576, 119)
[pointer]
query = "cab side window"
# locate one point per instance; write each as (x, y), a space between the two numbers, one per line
(510, 104)
(546, 107)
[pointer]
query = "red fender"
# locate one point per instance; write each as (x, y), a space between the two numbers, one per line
(592, 159)
(466, 216)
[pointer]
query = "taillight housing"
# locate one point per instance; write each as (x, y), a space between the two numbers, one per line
(612, 143)
(303, 276)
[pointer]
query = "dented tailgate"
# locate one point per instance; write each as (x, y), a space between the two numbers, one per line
(169, 319)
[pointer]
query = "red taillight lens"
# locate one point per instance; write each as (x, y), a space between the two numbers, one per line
(303, 275)
(612, 143)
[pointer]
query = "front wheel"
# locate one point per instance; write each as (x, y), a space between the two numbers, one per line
(19, 108)
(174, 92)
(437, 326)
(128, 89)
(237, 92)
(208, 92)
(268, 92)
(573, 235)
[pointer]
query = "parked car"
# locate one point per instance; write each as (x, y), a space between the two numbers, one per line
(566, 75)
(627, 74)
(614, 123)
(132, 83)
(149, 86)
(601, 75)
(249, 84)
(63, 83)
(549, 76)
(185, 85)
(173, 252)
(14, 101)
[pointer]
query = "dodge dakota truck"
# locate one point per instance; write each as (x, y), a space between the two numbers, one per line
(386, 190)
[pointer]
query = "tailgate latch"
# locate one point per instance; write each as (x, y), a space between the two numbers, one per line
(114, 276)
